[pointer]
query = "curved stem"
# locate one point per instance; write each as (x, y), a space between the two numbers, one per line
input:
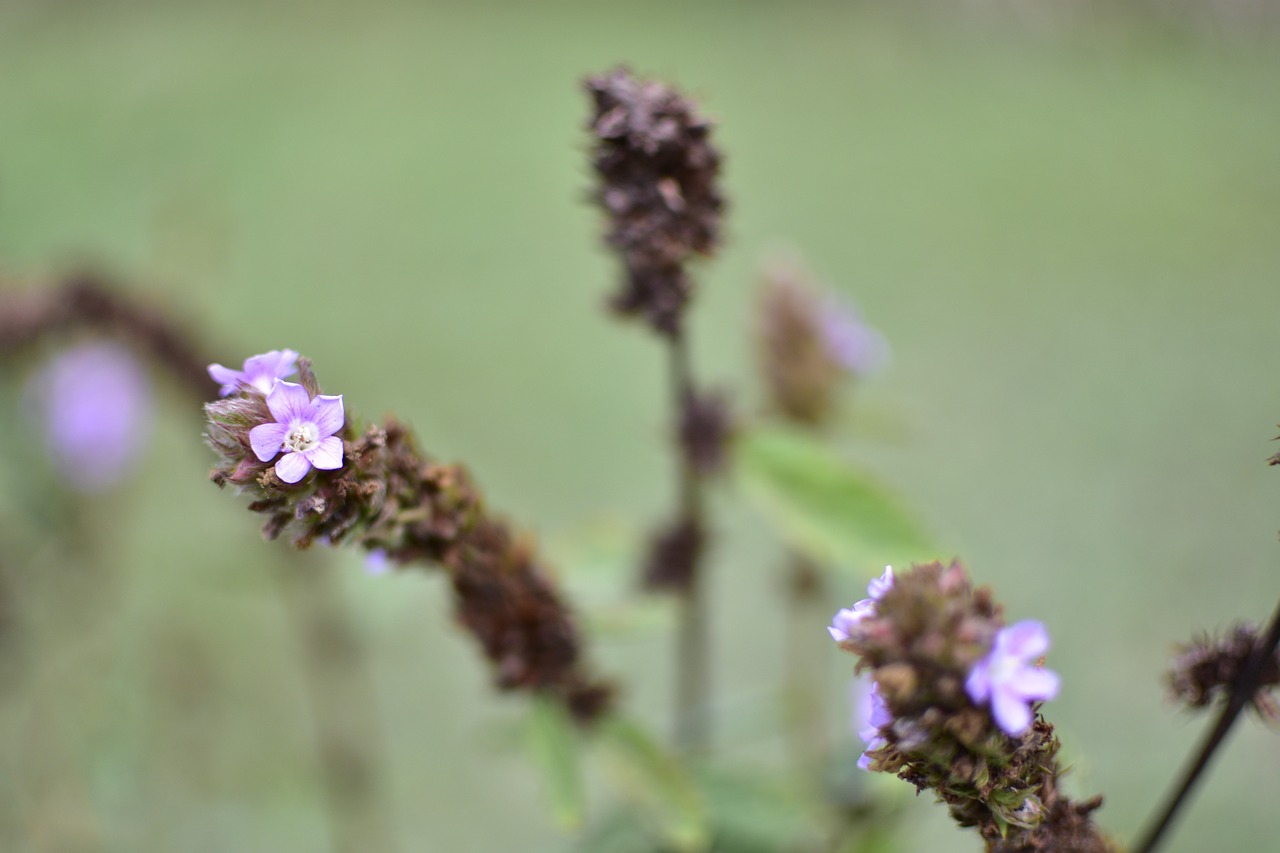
(1241, 693)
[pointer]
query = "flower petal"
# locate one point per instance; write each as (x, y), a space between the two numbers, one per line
(1011, 712)
(288, 402)
(1036, 685)
(978, 684)
(266, 439)
(292, 467)
(836, 634)
(1027, 640)
(327, 455)
(226, 377)
(327, 414)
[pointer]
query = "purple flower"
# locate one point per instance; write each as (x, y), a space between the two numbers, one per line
(842, 624)
(93, 402)
(878, 587)
(260, 372)
(376, 562)
(844, 621)
(853, 344)
(1008, 678)
(304, 429)
(872, 714)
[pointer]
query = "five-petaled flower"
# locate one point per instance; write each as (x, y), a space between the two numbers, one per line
(1009, 679)
(260, 372)
(304, 429)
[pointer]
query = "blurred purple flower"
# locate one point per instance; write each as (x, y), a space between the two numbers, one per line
(853, 344)
(304, 429)
(93, 402)
(878, 587)
(1008, 677)
(260, 372)
(376, 562)
(842, 624)
(871, 714)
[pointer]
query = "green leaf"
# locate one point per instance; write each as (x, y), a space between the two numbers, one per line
(761, 812)
(555, 747)
(657, 784)
(823, 505)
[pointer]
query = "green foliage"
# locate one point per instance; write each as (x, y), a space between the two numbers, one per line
(823, 505)
(657, 784)
(555, 748)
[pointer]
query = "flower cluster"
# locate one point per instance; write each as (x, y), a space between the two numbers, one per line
(316, 478)
(808, 343)
(952, 708)
(658, 187)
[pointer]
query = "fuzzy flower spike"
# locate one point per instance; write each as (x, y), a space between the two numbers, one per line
(260, 372)
(304, 430)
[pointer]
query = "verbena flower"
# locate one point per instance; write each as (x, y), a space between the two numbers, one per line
(93, 402)
(853, 344)
(1009, 679)
(842, 623)
(872, 715)
(260, 372)
(376, 562)
(303, 429)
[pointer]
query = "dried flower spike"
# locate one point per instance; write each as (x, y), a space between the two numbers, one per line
(377, 490)
(1206, 671)
(658, 187)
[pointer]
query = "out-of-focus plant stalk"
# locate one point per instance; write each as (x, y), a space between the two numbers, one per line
(346, 730)
(1242, 693)
(658, 187)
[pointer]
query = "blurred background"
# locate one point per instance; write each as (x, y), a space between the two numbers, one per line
(1063, 218)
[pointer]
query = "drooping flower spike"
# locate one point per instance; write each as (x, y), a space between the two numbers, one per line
(303, 429)
(260, 373)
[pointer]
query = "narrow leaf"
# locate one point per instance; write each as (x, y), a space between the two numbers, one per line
(823, 505)
(658, 785)
(555, 750)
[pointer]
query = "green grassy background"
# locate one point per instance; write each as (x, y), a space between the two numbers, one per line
(1065, 224)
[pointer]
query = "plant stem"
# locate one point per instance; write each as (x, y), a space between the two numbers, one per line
(693, 687)
(1241, 693)
(803, 705)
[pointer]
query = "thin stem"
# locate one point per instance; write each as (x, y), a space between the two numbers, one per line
(693, 670)
(804, 709)
(1242, 691)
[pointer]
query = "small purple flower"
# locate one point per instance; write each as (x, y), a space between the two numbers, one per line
(376, 562)
(878, 587)
(1009, 679)
(853, 344)
(872, 715)
(304, 429)
(842, 624)
(260, 372)
(94, 403)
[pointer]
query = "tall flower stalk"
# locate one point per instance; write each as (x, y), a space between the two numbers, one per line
(657, 183)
